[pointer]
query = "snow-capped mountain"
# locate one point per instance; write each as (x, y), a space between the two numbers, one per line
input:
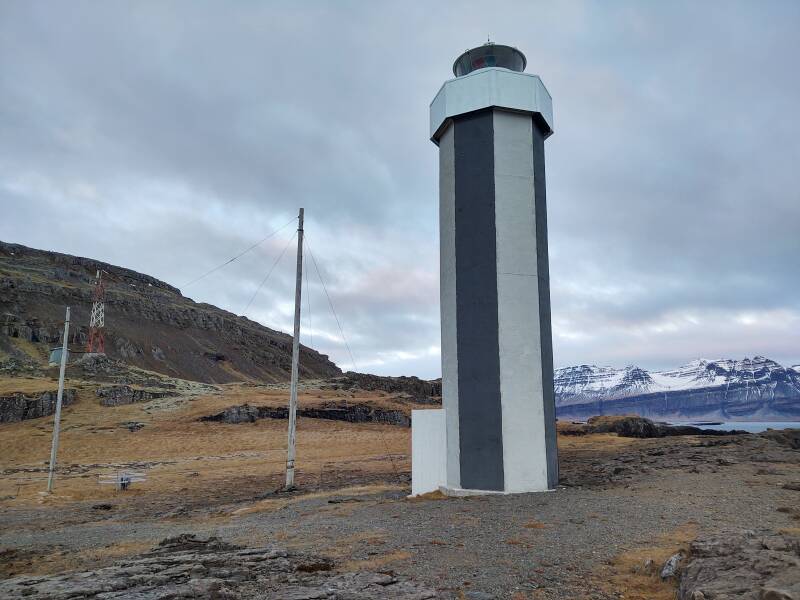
(757, 388)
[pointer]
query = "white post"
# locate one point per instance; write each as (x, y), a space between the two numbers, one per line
(295, 357)
(57, 419)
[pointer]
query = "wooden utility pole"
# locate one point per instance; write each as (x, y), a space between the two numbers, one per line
(295, 357)
(57, 419)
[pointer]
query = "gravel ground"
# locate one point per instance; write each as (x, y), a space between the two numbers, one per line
(613, 498)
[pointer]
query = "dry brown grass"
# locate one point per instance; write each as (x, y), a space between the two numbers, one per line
(594, 442)
(792, 511)
(104, 555)
(428, 496)
(345, 546)
(533, 524)
(174, 445)
(60, 560)
(626, 573)
(376, 562)
(38, 352)
(519, 542)
(27, 385)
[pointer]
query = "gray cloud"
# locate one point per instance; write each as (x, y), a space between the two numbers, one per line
(168, 137)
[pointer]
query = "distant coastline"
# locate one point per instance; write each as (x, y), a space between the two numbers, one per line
(749, 426)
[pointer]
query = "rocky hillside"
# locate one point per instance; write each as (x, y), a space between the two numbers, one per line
(149, 323)
(751, 389)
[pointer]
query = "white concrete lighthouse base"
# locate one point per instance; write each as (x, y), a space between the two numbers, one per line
(428, 451)
(462, 493)
(429, 459)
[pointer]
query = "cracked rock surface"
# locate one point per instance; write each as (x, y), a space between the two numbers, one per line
(744, 566)
(190, 567)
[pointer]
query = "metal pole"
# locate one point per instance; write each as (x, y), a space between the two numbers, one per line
(57, 419)
(295, 357)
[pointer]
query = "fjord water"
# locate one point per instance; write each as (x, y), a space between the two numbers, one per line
(749, 426)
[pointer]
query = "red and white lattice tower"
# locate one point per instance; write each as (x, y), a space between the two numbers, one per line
(97, 319)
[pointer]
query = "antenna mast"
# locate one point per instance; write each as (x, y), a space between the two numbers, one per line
(290, 454)
(97, 319)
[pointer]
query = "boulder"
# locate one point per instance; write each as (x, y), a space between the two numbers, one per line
(743, 565)
(670, 568)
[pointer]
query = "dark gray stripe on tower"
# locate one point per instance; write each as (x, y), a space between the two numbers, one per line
(480, 410)
(546, 335)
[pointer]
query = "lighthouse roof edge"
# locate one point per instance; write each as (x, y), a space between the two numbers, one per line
(491, 87)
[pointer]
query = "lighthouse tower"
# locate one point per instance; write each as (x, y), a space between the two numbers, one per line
(497, 429)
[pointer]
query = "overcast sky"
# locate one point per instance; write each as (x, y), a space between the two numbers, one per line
(169, 136)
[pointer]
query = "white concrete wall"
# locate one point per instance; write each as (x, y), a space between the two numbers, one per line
(524, 446)
(428, 451)
(447, 299)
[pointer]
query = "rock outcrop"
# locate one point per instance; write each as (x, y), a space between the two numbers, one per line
(639, 427)
(708, 454)
(118, 395)
(149, 323)
(20, 407)
(350, 413)
(189, 567)
(419, 390)
(784, 437)
(742, 566)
